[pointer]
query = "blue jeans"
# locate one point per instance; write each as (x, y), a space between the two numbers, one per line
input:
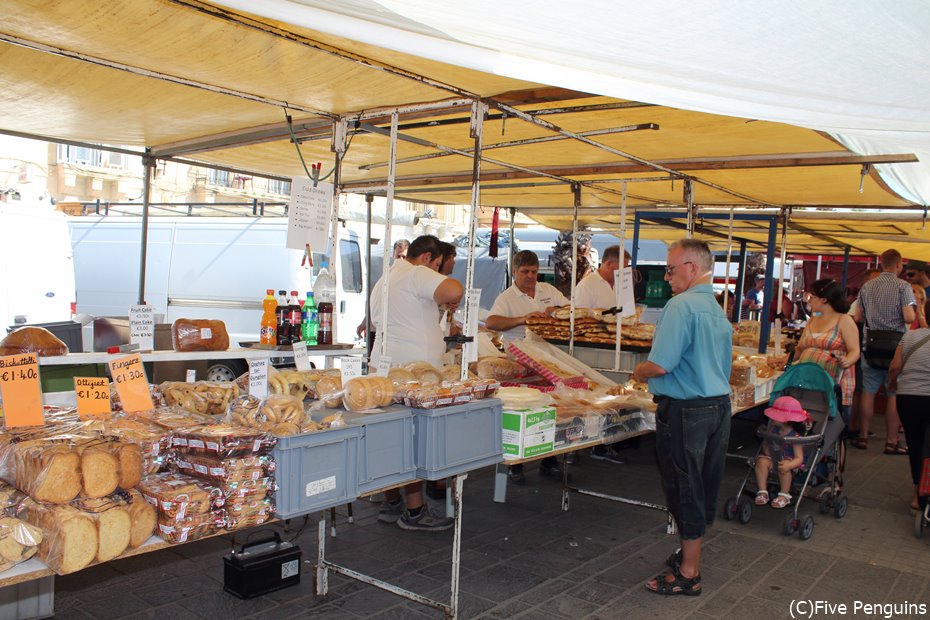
(691, 445)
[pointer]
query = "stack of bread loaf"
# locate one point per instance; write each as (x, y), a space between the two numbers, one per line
(421, 385)
(592, 326)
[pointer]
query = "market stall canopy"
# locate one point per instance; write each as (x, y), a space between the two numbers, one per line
(207, 83)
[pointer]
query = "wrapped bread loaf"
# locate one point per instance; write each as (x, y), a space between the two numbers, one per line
(176, 496)
(19, 541)
(111, 517)
(498, 368)
(300, 384)
(69, 540)
(99, 470)
(47, 471)
(143, 519)
(362, 393)
(425, 373)
(32, 340)
(329, 390)
(199, 335)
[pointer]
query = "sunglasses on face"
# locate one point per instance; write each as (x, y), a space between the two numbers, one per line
(910, 274)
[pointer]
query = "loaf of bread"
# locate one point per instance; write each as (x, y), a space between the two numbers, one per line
(99, 470)
(329, 390)
(47, 471)
(143, 519)
(426, 373)
(498, 368)
(69, 540)
(199, 335)
(19, 541)
(362, 393)
(32, 340)
(114, 528)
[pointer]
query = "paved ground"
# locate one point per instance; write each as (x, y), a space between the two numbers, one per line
(529, 559)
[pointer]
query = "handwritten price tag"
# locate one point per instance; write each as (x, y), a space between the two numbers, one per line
(301, 361)
(351, 368)
(22, 394)
(142, 326)
(258, 378)
(93, 397)
(131, 383)
(384, 366)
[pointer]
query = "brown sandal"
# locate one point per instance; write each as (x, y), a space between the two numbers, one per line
(860, 442)
(895, 448)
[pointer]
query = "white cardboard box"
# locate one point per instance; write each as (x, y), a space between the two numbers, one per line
(528, 432)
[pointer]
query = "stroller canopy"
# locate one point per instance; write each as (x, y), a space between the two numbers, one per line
(807, 376)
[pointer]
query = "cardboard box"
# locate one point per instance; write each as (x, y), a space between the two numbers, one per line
(528, 432)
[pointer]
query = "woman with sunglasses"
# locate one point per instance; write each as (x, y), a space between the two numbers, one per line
(831, 339)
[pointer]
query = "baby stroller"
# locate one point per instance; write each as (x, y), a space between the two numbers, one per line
(815, 389)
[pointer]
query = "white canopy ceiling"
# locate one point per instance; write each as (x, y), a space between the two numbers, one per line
(858, 69)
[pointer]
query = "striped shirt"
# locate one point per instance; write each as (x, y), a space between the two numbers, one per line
(913, 378)
(883, 301)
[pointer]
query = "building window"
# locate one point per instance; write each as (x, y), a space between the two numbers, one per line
(219, 177)
(275, 186)
(95, 158)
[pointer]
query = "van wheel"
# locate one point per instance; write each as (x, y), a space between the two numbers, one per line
(226, 370)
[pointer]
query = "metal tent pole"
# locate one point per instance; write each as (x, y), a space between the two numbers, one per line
(689, 202)
(740, 281)
(845, 266)
(511, 250)
(634, 254)
(479, 110)
(576, 192)
(727, 306)
(388, 216)
(767, 294)
(369, 199)
(339, 149)
(149, 165)
(618, 282)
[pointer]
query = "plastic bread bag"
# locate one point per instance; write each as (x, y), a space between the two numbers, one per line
(108, 464)
(402, 380)
(113, 522)
(117, 405)
(222, 440)
(425, 372)
(199, 335)
(248, 514)
(222, 471)
(154, 441)
(332, 420)
(19, 541)
(204, 397)
(497, 368)
(278, 414)
(69, 536)
(176, 496)
(329, 390)
(10, 497)
(365, 393)
(248, 491)
(190, 528)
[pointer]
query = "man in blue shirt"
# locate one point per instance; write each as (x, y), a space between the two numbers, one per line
(688, 372)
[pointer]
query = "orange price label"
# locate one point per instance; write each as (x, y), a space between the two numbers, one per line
(22, 394)
(131, 383)
(93, 396)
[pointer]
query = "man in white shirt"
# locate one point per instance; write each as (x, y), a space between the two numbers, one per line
(524, 299)
(596, 290)
(413, 334)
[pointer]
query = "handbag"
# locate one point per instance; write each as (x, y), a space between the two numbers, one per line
(880, 345)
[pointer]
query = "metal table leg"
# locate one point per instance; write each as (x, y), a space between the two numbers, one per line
(500, 482)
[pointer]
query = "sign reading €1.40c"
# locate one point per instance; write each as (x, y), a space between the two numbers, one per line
(131, 384)
(20, 389)
(93, 396)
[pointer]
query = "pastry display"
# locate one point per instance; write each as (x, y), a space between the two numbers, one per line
(203, 397)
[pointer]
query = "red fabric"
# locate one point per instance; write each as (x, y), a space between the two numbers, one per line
(924, 487)
(495, 225)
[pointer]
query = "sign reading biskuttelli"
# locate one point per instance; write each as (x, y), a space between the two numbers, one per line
(20, 389)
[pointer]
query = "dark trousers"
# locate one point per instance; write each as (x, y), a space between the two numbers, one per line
(915, 416)
(691, 445)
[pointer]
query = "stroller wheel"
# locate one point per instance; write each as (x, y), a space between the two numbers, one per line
(826, 501)
(840, 505)
(807, 528)
(745, 511)
(729, 508)
(789, 526)
(919, 524)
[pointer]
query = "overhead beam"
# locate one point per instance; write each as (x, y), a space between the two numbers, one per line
(245, 137)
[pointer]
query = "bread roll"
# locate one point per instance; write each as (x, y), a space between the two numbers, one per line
(358, 394)
(19, 540)
(425, 373)
(32, 340)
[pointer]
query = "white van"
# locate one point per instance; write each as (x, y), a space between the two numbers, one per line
(36, 267)
(206, 268)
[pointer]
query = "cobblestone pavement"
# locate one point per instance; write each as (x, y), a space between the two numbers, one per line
(529, 559)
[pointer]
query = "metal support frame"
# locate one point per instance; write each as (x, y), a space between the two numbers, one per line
(845, 267)
(767, 295)
(576, 195)
(740, 280)
(149, 166)
(369, 199)
(388, 216)
(478, 112)
(451, 610)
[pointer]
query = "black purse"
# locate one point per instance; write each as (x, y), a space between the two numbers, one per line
(880, 345)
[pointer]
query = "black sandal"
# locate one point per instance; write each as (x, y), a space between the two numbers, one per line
(681, 585)
(674, 560)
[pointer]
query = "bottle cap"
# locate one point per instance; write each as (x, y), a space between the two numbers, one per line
(294, 293)
(282, 292)
(269, 291)
(309, 293)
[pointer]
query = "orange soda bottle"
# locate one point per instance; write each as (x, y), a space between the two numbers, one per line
(269, 319)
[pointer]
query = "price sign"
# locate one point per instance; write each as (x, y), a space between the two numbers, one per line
(22, 394)
(309, 214)
(351, 368)
(384, 365)
(300, 356)
(623, 283)
(470, 349)
(258, 378)
(191, 375)
(131, 383)
(93, 397)
(142, 327)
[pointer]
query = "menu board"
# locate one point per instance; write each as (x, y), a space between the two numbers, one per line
(309, 216)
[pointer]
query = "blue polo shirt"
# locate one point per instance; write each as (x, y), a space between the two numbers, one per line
(694, 344)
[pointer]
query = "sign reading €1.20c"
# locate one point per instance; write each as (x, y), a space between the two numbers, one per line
(131, 383)
(20, 389)
(93, 396)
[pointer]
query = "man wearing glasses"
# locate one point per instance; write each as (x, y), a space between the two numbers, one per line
(688, 371)
(916, 273)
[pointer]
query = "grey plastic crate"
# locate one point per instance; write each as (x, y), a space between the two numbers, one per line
(457, 439)
(315, 471)
(385, 448)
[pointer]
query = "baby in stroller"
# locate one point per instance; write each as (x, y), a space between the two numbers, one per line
(787, 418)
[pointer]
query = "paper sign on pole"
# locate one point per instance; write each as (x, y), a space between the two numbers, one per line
(301, 361)
(351, 367)
(258, 378)
(623, 282)
(309, 216)
(142, 327)
(20, 389)
(93, 397)
(131, 383)
(384, 366)
(470, 349)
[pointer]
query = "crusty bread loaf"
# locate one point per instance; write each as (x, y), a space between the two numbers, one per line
(131, 465)
(70, 536)
(114, 527)
(99, 471)
(499, 368)
(329, 385)
(143, 517)
(199, 335)
(48, 472)
(32, 340)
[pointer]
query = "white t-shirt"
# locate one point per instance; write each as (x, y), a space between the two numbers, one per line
(513, 302)
(594, 292)
(413, 318)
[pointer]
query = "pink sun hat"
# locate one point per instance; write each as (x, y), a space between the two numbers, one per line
(787, 409)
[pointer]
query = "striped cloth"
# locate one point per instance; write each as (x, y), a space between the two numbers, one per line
(820, 349)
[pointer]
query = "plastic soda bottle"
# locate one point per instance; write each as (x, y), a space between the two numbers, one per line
(295, 317)
(325, 311)
(311, 321)
(284, 319)
(269, 324)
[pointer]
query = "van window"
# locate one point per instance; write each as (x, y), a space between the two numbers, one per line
(351, 259)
